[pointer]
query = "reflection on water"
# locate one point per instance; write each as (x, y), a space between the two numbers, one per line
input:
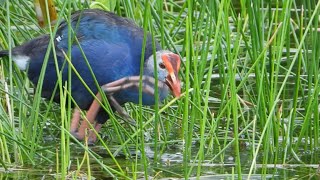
(170, 165)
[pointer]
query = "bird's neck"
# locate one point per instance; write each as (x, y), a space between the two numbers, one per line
(149, 47)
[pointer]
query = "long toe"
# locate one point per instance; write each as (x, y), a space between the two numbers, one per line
(75, 121)
(92, 135)
(76, 135)
(81, 134)
(92, 138)
(84, 126)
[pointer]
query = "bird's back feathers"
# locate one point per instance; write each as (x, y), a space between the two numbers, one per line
(111, 44)
(4, 53)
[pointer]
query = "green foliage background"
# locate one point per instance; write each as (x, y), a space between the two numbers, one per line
(250, 77)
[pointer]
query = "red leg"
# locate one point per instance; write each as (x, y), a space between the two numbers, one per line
(75, 121)
(132, 81)
(92, 135)
(109, 89)
(91, 115)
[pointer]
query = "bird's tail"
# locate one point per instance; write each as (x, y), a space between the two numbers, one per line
(4, 53)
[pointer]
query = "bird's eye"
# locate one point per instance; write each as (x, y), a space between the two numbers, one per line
(162, 66)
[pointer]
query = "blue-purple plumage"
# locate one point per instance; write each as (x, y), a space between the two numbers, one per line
(105, 52)
(112, 45)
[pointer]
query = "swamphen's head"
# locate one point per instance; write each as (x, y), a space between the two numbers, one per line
(168, 65)
(112, 46)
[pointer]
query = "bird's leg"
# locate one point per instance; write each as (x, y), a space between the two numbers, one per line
(92, 135)
(90, 116)
(125, 83)
(109, 89)
(131, 81)
(120, 110)
(80, 133)
(75, 121)
(118, 85)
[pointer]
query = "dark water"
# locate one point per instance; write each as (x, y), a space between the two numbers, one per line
(170, 165)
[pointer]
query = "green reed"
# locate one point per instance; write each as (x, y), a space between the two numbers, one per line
(250, 87)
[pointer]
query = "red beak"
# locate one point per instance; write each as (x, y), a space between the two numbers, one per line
(172, 64)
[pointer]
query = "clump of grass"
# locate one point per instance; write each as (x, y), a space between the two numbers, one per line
(250, 92)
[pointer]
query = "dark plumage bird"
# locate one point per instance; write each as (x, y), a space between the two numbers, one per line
(112, 45)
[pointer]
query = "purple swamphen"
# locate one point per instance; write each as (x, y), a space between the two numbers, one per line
(112, 47)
